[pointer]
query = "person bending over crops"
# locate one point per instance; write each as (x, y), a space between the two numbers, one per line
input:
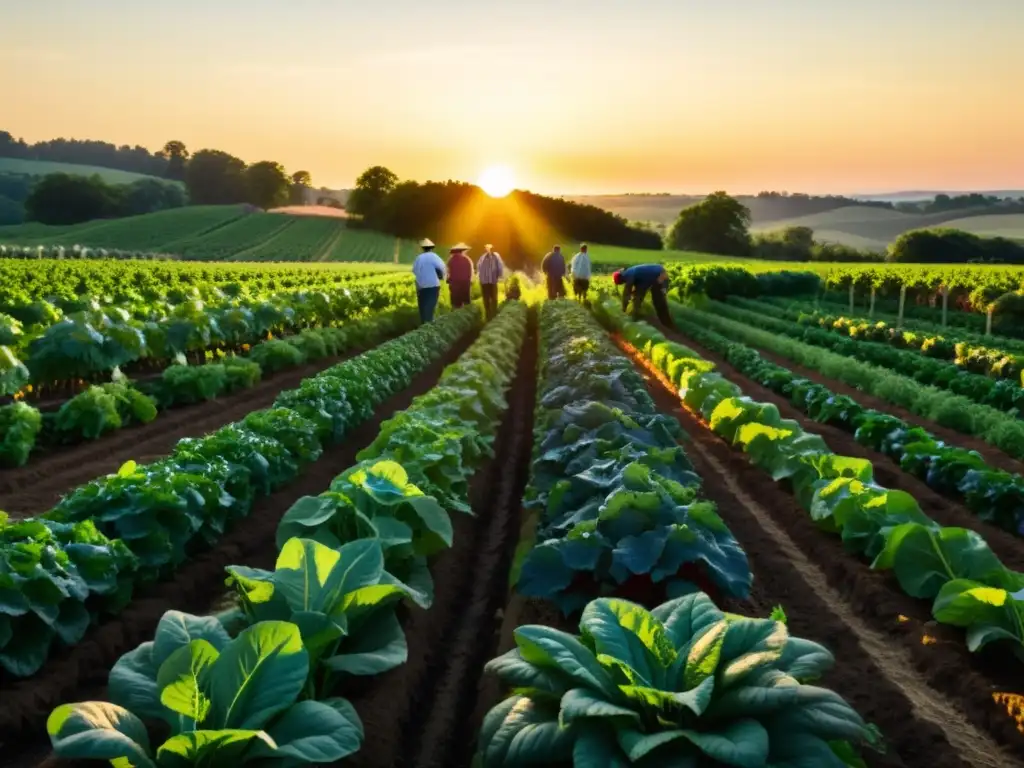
(460, 275)
(491, 269)
(553, 267)
(640, 279)
(428, 269)
(579, 268)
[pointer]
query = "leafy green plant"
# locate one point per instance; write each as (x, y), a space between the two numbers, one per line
(276, 355)
(225, 702)
(103, 408)
(13, 373)
(19, 425)
(682, 684)
(185, 384)
(341, 599)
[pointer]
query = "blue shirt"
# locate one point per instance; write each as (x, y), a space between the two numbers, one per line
(425, 269)
(642, 275)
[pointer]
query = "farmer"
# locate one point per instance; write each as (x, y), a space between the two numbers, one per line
(428, 269)
(491, 269)
(579, 268)
(460, 275)
(639, 279)
(553, 266)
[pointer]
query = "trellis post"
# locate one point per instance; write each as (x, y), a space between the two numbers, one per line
(903, 301)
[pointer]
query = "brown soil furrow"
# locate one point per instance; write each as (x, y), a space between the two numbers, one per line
(81, 672)
(36, 487)
(942, 681)
(420, 714)
(945, 511)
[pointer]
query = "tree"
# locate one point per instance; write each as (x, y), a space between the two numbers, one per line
(150, 195)
(11, 211)
(372, 188)
(718, 224)
(60, 198)
(267, 184)
(215, 178)
(177, 158)
(301, 182)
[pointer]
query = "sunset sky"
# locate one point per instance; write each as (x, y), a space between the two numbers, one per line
(577, 96)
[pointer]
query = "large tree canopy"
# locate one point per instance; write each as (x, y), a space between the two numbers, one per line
(718, 224)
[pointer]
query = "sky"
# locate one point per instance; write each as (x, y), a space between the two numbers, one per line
(576, 96)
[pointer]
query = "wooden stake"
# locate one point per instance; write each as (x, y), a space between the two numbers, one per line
(903, 301)
(871, 311)
(851, 298)
(945, 305)
(988, 319)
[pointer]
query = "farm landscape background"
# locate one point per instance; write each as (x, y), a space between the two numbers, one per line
(255, 512)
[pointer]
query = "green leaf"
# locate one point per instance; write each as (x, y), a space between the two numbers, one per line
(378, 646)
(553, 649)
(988, 614)
(743, 744)
(258, 674)
(580, 703)
(702, 660)
(630, 634)
(132, 683)
(315, 732)
(182, 681)
(220, 747)
(127, 469)
(638, 745)
(687, 617)
(524, 732)
(176, 630)
(96, 730)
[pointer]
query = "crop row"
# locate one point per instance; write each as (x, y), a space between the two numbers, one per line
(935, 362)
(953, 567)
(326, 613)
(83, 558)
(618, 513)
(995, 427)
(107, 407)
(994, 495)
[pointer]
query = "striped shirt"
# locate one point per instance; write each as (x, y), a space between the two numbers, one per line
(490, 268)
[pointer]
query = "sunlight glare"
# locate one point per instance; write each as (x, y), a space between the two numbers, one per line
(497, 180)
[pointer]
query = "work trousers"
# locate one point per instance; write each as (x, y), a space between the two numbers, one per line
(460, 293)
(556, 287)
(580, 286)
(489, 291)
(657, 298)
(426, 300)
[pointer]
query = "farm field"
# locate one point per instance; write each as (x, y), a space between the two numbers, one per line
(44, 167)
(502, 540)
(220, 233)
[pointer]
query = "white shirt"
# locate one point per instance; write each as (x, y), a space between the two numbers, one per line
(580, 266)
(425, 267)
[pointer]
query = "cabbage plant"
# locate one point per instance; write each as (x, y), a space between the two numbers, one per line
(682, 685)
(224, 701)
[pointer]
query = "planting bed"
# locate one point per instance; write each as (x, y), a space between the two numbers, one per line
(81, 673)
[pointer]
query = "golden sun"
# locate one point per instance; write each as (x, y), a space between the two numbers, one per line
(497, 180)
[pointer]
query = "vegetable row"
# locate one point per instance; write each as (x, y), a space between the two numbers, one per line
(326, 614)
(941, 366)
(82, 559)
(646, 682)
(999, 429)
(106, 407)
(952, 567)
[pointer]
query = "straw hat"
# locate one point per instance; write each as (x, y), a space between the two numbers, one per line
(426, 243)
(489, 246)
(459, 247)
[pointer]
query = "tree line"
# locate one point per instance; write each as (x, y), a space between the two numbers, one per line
(720, 224)
(522, 225)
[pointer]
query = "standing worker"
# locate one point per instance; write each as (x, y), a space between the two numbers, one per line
(491, 269)
(460, 275)
(640, 279)
(579, 268)
(428, 269)
(553, 267)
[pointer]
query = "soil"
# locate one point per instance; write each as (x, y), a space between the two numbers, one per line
(80, 673)
(36, 487)
(421, 715)
(914, 679)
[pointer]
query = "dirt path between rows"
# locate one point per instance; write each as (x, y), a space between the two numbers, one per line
(888, 473)
(882, 682)
(420, 715)
(81, 673)
(36, 487)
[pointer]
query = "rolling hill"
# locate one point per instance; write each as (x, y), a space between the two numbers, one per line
(44, 167)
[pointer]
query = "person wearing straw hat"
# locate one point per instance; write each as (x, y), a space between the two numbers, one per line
(553, 267)
(491, 269)
(460, 275)
(429, 271)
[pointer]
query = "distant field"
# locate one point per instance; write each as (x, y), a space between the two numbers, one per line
(44, 167)
(1009, 225)
(223, 233)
